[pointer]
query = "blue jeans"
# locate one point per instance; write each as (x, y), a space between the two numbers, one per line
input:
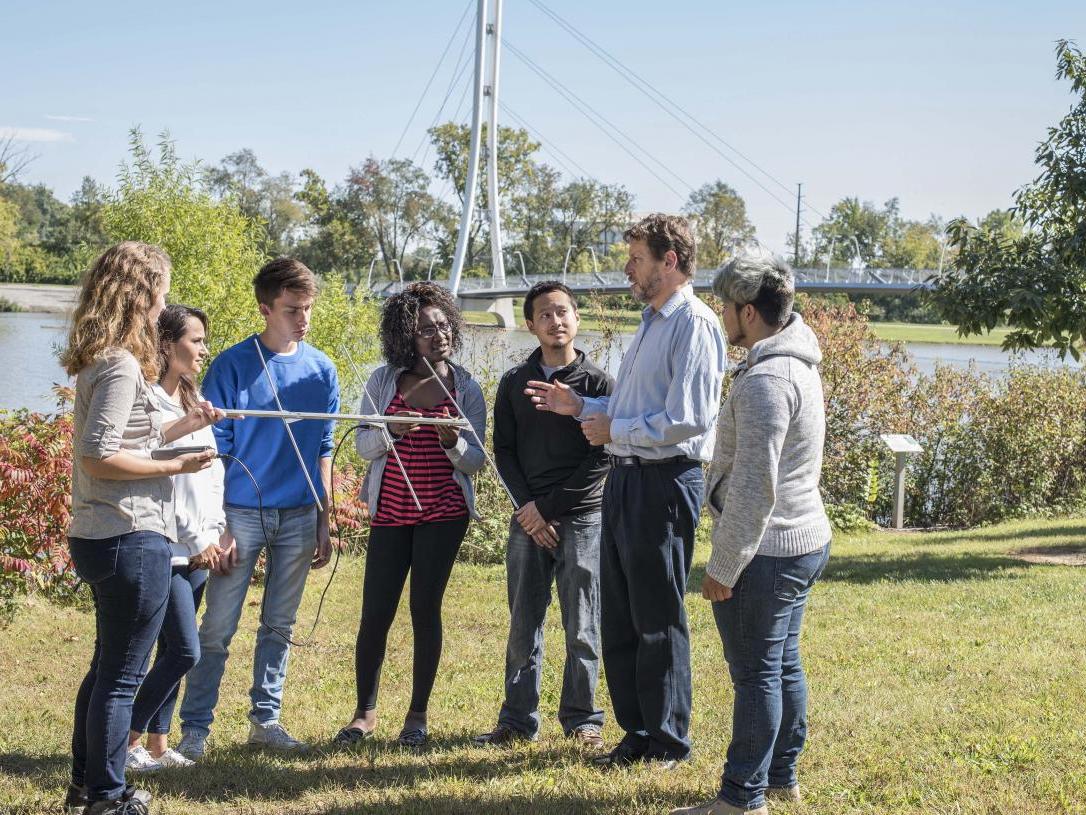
(178, 651)
(292, 534)
(760, 627)
(650, 515)
(129, 577)
(531, 570)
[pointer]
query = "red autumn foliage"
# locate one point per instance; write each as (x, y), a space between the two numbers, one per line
(35, 501)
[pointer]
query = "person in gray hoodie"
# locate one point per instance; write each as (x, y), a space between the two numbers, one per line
(771, 536)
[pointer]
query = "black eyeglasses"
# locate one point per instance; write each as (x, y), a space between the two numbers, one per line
(428, 332)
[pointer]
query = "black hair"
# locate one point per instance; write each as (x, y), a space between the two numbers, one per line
(546, 287)
(400, 320)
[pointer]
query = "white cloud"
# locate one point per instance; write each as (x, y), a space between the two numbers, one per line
(38, 134)
(70, 118)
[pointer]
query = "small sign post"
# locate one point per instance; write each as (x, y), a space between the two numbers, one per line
(901, 446)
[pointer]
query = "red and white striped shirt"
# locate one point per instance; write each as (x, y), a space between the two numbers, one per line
(428, 467)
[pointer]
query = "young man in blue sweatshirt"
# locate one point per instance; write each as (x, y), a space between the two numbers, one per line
(294, 532)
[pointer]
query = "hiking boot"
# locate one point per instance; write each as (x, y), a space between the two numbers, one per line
(501, 736)
(133, 802)
(172, 758)
(786, 794)
(192, 745)
(75, 799)
(275, 737)
(139, 760)
(587, 735)
(715, 806)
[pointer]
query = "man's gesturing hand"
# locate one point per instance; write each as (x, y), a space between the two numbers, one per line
(557, 397)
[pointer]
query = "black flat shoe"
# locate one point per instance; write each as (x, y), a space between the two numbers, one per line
(351, 737)
(414, 737)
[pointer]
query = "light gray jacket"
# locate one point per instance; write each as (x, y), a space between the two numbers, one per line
(374, 445)
(762, 488)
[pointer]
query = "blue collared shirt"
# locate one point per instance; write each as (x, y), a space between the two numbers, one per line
(667, 393)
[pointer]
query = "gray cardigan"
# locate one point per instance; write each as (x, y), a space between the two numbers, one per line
(115, 410)
(763, 484)
(373, 442)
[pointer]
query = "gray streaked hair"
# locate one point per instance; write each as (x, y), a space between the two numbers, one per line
(760, 278)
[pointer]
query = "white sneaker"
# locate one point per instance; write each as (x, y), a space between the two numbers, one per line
(275, 737)
(139, 760)
(715, 806)
(192, 745)
(172, 758)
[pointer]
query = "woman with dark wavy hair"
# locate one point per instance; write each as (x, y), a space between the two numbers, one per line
(198, 505)
(417, 522)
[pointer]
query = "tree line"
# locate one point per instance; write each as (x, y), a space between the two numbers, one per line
(397, 215)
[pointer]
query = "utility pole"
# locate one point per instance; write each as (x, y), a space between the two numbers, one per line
(799, 199)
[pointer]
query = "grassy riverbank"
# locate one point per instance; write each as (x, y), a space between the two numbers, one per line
(946, 676)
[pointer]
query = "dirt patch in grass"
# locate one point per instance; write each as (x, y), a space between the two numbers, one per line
(1073, 554)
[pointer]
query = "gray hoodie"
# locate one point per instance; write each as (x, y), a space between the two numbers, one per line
(763, 483)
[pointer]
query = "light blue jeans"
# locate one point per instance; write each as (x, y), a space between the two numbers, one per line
(531, 570)
(292, 535)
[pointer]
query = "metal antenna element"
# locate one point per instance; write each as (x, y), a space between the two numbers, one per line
(286, 426)
(384, 428)
(471, 429)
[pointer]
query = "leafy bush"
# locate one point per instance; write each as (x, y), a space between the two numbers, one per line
(35, 501)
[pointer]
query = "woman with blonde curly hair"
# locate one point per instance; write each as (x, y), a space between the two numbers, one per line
(122, 506)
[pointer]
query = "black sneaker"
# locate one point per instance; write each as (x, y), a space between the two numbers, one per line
(76, 799)
(501, 736)
(622, 756)
(133, 802)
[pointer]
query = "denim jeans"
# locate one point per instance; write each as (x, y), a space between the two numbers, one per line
(531, 570)
(760, 627)
(178, 651)
(650, 514)
(129, 577)
(292, 535)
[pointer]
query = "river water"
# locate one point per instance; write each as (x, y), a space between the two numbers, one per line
(28, 343)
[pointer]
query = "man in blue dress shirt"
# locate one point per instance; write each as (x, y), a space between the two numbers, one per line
(658, 429)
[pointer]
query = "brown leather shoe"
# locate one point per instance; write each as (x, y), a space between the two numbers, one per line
(588, 736)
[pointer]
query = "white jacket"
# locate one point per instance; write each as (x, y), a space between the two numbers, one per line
(198, 497)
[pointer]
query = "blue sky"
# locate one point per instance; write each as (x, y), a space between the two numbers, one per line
(938, 103)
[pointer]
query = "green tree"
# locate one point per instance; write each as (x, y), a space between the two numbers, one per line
(516, 150)
(720, 222)
(390, 200)
(333, 242)
(266, 199)
(216, 250)
(586, 213)
(1035, 281)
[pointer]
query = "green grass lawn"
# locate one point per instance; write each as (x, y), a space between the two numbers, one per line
(915, 332)
(946, 677)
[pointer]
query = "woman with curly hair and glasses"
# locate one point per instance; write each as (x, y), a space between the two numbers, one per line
(417, 522)
(122, 506)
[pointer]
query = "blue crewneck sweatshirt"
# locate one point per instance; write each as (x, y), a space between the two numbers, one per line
(306, 381)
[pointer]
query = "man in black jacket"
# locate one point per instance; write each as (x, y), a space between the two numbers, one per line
(557, 478)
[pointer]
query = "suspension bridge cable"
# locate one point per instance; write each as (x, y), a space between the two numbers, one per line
(586, 111)
(669, 106)
(430, 81)
(461, 66)
(548, 145)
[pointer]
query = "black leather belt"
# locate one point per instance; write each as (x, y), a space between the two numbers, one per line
(638, 461)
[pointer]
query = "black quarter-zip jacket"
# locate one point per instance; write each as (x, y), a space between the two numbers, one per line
(542, 456)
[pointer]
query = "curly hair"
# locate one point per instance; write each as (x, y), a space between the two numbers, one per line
(114, 309)
(664, 233)
(400, 321)
(173, 324)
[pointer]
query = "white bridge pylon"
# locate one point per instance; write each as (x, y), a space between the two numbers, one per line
(488, 38)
